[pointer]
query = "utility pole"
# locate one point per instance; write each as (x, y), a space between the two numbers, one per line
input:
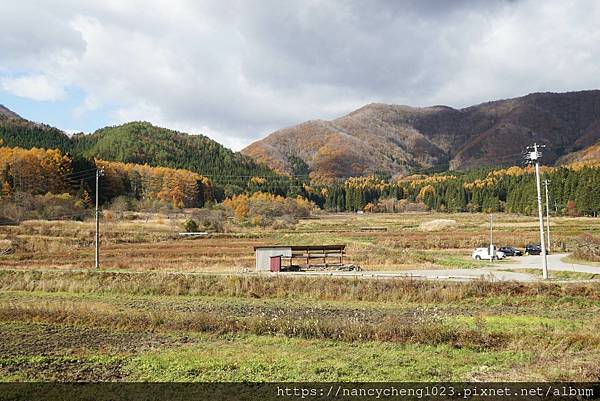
(546, 182)
(534, 156)
(491, 237)
(99, 173)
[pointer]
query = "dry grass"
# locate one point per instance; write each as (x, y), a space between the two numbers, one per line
(153, 244)
(390, 330)
(437, 225)
(257, 286)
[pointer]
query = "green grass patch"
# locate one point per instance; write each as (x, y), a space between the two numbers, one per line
(519, 324)
(557, 274)
(255, 358)
(577, 261)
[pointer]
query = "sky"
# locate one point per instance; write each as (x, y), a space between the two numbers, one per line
(238, 70)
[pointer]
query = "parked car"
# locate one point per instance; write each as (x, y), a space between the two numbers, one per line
(510, 251)
(484, 253)
(533, 250)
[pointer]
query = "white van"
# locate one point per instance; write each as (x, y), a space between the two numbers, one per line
(484, 253)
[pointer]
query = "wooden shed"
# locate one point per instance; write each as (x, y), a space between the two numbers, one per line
(299, 255)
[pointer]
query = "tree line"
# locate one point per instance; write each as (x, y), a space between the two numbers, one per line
(40, 171)
(572, 190)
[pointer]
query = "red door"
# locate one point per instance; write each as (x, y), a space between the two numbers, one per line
(276, 263)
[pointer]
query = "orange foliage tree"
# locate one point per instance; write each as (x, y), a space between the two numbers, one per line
(181, 188)
(261, 208)
(34, 170)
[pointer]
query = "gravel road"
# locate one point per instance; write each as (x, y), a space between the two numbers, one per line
(495, 272)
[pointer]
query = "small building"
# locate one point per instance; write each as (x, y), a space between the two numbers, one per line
(263, 255)
(299, 255)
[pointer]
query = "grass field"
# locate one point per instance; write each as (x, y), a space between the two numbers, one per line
(154, 244)
(156, 311)
(112, 326)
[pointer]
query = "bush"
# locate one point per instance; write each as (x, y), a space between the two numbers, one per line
(190, 226)
(262, 209)
(587, 247)
(122, 203)
(50, 206)
(210, 219)
(154, 206)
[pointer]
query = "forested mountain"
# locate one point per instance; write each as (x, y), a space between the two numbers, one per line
(395, 140)
(143, 143)
(16, 131)
(586, 156)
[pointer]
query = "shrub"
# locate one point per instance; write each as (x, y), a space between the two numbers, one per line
(122, 204)
(49, 206)
(210, 219)
(190, 226)
(261, 209)
(587, 247)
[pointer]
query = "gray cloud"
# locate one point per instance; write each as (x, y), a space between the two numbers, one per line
(238, 69)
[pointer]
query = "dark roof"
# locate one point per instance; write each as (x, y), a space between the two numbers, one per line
(304, 247)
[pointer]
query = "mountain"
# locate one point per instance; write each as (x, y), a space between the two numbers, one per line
(393, 139)
(6, 114)
(17, 131)
(587, 156)
(137, 142)
(142, 142)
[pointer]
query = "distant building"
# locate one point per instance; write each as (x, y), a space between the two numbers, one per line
(263, 255)
(299, 255)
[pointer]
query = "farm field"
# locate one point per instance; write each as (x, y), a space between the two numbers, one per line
(167, 309)
(79, 326)
(153, 244)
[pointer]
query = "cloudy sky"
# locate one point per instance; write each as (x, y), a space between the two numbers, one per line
(237, 70)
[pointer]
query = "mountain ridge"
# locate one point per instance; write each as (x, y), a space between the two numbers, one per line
(135, 142)
(399, 139)
(6, 113)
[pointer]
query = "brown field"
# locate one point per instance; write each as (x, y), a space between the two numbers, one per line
(154, 312)
(153, 244)
(398, 241)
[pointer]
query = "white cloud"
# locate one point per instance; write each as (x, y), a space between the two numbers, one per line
(35, 87)
(236, 70)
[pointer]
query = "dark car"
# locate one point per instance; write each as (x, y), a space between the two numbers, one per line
(533, 250)
(511, 251)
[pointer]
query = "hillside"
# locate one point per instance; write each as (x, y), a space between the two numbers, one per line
(142, 142)
(587, 156)
(136, 142)
(6, 114)
(16, 131)
(392, 139)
